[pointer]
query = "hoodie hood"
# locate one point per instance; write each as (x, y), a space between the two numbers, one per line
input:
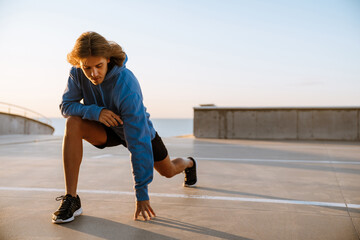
(116, 69)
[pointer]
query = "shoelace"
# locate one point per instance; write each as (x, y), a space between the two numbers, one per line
(66, 202)
(60, 198)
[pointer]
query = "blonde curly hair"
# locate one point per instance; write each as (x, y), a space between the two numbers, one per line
(93, 44)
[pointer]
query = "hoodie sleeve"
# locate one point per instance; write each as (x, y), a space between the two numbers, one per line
(138, 138)
(71, 106)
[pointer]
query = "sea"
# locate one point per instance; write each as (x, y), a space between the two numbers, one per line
(166, 127)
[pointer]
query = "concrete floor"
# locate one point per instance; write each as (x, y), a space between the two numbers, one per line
(246, 190)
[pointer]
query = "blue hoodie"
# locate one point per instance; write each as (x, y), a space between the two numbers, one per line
(119, 92)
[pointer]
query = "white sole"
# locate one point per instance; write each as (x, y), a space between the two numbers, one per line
(189, 186)
(76, 213)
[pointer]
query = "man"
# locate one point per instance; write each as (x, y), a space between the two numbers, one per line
(112, 113)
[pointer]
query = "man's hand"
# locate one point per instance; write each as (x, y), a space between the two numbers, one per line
(109, 118)
(145, 209)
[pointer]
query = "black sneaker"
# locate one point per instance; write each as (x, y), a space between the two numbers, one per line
(190, 175)
(70, 208)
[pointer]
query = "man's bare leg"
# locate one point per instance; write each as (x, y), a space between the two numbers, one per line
(76, 130)
(169, 168)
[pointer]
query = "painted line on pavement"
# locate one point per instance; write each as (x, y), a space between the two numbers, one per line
(103, 156)
(30, 141)
(277, 160)
(266, 146)
(255, 160)
(205, 197)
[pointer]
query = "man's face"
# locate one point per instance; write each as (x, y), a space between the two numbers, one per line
(94, 68)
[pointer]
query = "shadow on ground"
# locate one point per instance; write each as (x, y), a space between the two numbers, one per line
(107, 229)
(176, 224)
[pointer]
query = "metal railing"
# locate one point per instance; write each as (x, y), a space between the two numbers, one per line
(24, 112)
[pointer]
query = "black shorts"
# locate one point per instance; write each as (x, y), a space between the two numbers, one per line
(159, 150)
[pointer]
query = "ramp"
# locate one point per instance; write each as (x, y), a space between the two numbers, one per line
(19, 120)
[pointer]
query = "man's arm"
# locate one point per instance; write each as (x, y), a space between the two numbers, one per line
(138, 138)
(71, 106)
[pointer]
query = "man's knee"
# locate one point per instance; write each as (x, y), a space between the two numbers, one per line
(73, 124)
(168, 173)
(165, 168)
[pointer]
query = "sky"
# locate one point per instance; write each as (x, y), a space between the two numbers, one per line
(185, 53)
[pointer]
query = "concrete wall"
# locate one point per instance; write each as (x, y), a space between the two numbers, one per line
(15, 124)
(278, 123)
